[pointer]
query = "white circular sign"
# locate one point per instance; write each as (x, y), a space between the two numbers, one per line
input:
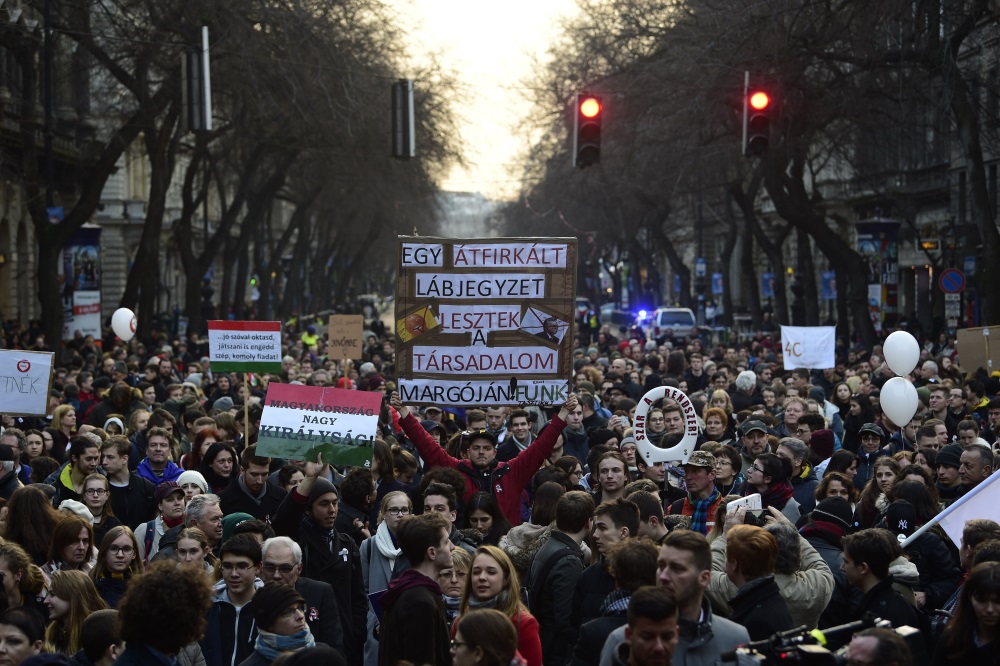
(680, 452)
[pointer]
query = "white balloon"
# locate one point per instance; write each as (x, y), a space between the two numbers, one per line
(899, 400)
(123, 324)
(901, 352)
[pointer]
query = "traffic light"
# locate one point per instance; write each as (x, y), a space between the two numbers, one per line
(404, 129)
(756, 122)
(587, 130)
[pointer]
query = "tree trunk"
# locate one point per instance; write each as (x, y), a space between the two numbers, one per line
(727, 260)
(807, 277)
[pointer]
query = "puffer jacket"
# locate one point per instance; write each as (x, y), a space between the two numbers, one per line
(806, 592)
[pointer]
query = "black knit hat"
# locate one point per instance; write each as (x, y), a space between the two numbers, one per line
(950, 456)
(834, 510)
(271, 601)
(320, 487)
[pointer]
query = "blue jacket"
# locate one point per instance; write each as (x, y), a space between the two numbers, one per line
(170, 473)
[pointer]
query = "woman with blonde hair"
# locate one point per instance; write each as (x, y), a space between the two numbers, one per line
(117, 561)
(72, 598)
(493, 583)
(63, 422)
(382, 559)
(721, 400)
(452, 583)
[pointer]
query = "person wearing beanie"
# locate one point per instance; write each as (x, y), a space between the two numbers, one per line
(949, 483)
(828, 523)
(281, 624)
(308, 514)
(192, 482)
(822, 444)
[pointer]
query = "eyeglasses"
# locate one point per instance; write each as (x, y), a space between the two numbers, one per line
(95, 491)
(756, 468)
(457, 644)
(236, 566)
(451, 574)
(801, 431)
(398, 511)
(271, 567)
(124, 550)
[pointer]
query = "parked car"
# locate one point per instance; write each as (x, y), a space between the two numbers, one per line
(613, 314)
(669, 323)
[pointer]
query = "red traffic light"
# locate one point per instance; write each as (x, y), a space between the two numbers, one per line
(759, 100)
(589, 107)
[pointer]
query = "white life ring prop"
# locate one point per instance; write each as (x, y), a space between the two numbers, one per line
(679, 453)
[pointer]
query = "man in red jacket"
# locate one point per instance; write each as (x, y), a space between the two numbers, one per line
(483, 473)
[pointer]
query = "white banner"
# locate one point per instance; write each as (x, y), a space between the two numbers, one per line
(811, 347)
(25, 381)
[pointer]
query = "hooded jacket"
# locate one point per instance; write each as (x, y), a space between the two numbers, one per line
(700, 643)
(503, 480)
(170, 472)
(804, 488)
(414, 627)
(805, 592)
(522, 543)
(231, 632)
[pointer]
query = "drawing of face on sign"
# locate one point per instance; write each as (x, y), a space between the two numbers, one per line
(416, 324)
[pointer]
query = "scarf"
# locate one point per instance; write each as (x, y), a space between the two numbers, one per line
(832, 533)
(271, 645)
(243, 486)
(777, 495)
(451, 606)
(699, 517)
(616, 603)
(328, 535)
(386, 546)
(170, 523)
(495, 602)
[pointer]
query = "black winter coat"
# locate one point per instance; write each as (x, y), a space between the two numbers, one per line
(236, 500)
(338, 564)
(758, 606)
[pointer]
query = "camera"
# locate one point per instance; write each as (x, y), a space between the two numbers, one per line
(756, 517)
(808, 648)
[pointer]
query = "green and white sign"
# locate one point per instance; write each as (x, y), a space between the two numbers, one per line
(301, 422)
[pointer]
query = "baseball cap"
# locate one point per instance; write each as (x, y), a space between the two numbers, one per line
(164, 489)
(752, 425)
(701, 459)
(872, 428)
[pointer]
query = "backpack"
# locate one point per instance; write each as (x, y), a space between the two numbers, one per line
(531, 599)
(148, 537)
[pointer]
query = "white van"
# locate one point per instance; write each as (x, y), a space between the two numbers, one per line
(673, 323)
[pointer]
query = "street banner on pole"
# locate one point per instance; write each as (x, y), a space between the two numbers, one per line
(811, 347)
(247, 346)
(25, 382)
(485, 321)
(301, 422)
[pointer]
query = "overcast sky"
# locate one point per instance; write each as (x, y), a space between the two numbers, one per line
(489, 45)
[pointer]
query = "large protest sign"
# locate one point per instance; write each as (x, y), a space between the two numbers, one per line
(809, 346)
(250, 346)
(25, 382)
(485, 321)
(301, 422)
(979, 348)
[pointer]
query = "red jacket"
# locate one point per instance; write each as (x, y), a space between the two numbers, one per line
(503, 480)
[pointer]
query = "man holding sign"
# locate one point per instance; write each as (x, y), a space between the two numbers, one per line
(503, 480)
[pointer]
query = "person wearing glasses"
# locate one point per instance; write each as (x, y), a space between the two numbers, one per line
(282, 563)
(484, 637)
(117, 562)
(381, 559)
(96, 493)
(231, 631)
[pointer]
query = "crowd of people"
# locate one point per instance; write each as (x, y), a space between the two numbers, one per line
(140, 524)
